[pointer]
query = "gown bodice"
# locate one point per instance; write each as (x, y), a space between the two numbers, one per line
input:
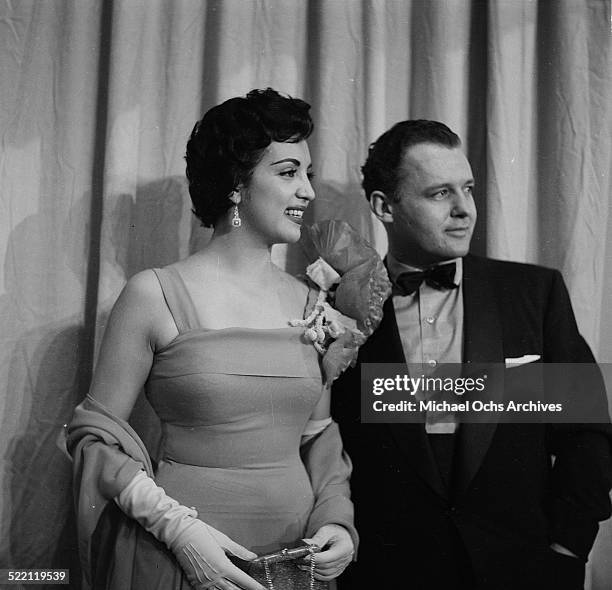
(233, 404)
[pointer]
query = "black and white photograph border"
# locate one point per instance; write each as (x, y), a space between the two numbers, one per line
(99, 97)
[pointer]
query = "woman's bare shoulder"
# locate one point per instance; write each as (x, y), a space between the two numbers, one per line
(143, 289)
(130, 338)
(142, 307)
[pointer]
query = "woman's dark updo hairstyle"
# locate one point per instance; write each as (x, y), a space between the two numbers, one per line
(227, 144)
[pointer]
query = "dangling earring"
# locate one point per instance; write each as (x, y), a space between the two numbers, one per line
(236, 221)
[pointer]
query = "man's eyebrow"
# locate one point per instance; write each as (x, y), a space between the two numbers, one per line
(439, 185)
(449, 184)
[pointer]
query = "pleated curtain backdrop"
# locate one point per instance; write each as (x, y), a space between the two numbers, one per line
(97, 99)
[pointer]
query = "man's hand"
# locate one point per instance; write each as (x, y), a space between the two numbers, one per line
(337, 552)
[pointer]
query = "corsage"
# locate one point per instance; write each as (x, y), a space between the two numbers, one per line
(353, 285)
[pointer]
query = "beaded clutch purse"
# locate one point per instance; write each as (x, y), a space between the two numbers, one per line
(279, 571)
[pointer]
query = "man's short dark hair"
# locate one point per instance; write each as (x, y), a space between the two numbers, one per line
(385, 154)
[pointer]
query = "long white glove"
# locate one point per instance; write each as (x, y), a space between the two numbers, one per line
(199, 548)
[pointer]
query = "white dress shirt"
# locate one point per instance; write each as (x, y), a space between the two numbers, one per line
(430, 324)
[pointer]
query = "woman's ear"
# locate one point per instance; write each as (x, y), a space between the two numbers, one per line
(381, 206)
(235, 196)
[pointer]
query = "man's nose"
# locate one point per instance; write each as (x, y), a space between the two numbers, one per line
(463, 204)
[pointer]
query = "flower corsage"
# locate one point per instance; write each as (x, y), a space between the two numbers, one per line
(353, 285)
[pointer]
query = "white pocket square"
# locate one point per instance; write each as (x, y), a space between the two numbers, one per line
(521, 360)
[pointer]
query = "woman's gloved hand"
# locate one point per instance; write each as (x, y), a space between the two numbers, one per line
(199, 548)
(337, 551)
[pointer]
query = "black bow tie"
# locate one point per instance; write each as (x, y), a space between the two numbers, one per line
(438, 277)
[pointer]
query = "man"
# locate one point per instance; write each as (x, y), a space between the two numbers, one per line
(446, 505)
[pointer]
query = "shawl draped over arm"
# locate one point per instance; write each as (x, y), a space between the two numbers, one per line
(107, 454)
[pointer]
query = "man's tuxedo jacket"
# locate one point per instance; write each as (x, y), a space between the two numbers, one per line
(508, 500)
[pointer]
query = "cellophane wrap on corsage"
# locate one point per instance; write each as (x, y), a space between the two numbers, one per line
(353, 286)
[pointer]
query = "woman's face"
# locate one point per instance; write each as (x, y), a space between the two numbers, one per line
(278, 193)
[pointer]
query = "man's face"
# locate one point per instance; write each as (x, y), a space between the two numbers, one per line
(433, 212)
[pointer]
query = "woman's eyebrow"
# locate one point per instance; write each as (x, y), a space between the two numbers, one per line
(292, 160)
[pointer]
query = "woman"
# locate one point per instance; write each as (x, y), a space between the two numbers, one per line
(238, 390)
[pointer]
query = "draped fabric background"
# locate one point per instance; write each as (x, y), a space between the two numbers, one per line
(97, 100)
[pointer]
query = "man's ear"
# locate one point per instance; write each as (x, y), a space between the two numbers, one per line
(381, 206)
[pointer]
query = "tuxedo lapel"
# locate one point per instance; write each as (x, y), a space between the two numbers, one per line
(482, 339)
(385, 346)
(482, 344)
